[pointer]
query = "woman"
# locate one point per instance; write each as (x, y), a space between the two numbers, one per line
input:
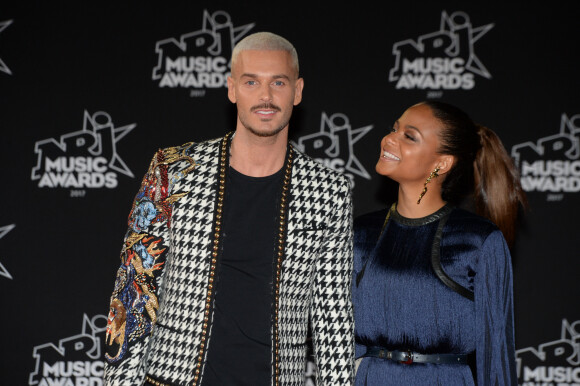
(432, 283)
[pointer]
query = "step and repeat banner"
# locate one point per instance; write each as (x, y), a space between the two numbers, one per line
(89, 92)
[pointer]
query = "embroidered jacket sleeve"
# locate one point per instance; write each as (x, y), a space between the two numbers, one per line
(495, 347)
(135, 299)
(332, 313)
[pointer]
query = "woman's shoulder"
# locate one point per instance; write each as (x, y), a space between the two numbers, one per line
(471, 222)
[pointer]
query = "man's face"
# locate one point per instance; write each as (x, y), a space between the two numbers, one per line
(265, 87)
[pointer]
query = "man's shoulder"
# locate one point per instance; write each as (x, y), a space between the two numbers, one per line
(184, 158)
(193, 147)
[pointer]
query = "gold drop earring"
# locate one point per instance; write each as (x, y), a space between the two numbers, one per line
(434, 173)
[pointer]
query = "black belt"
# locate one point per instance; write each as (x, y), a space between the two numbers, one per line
(408, 357)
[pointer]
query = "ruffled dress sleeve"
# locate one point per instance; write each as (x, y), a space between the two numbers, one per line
(494, 307)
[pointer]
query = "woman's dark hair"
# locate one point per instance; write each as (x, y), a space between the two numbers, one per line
(482, 167)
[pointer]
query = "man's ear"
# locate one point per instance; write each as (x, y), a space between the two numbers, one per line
(298, 87)
(231, 89)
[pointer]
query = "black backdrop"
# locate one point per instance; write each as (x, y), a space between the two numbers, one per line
(90, 91)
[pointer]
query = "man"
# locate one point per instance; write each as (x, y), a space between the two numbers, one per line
(234, 246)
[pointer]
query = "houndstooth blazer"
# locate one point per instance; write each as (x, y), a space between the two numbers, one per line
(159, 323)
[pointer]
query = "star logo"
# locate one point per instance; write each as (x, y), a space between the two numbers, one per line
(3, 66)
(199, 59)
(83, 349)
(559, 353)
(458, 24)
(551, 164)
(3, 231)
(565, 144)
(103, 121)
(444, 59)
(334, 144)
(84, 158)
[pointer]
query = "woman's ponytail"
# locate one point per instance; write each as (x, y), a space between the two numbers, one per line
(482, 167)
(498, 194)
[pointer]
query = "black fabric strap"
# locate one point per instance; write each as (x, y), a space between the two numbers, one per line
(392, 209)
(436, 264)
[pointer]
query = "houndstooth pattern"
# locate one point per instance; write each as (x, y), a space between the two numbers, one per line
(315, 278)
(176, 339)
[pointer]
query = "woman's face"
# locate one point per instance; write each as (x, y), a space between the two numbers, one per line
(409, 152)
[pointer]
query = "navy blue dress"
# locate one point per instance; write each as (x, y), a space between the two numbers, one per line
(400, 303)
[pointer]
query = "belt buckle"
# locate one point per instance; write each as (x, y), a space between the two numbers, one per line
(407, 357)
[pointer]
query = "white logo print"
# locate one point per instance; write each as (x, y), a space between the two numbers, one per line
(82, 159)
(3, 66)
(3, 231)
(333, 145)
(75, 360)
(440, 60)
(199, 59)
(556, 361)
(552, 163)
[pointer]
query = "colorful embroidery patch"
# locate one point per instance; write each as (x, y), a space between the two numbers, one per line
(134, 303)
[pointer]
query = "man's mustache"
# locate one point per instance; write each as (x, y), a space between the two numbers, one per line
(264, 106)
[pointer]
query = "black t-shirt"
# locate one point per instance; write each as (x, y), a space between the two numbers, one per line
(239, 348)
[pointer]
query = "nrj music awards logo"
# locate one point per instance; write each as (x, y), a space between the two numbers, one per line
(3, 231)
(443, 59)
(551, 164)
(74, 360)
(554, 363)
(333, 145)
(199, 60)
(82, 159)
(3, 66)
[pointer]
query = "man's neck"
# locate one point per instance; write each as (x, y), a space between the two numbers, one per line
(257, 156)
